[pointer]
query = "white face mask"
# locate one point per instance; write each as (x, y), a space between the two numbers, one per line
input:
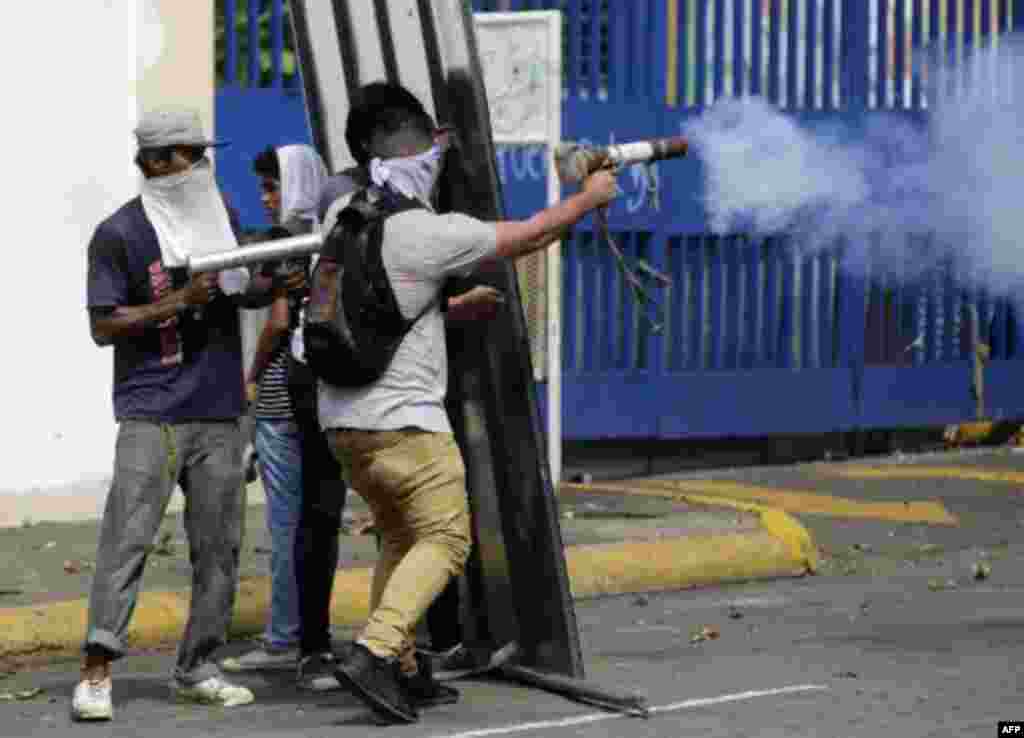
(188, 214)
(413, 176)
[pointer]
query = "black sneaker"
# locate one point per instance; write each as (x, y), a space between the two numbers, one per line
(377, 682)
(315, 673)
(424, 690)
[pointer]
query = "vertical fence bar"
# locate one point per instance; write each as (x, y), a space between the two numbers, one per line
(787, 263)
(934, 57)
(826, 317)
(230, 42)
(793, 55)
(277, 42)
(756, 48)
(609, 317)
(739, 57)
(254, 43)
(715, 267)
(718, 63)
(696, 258)
(635, 69)
(933, 329)
(949, 311)
(918, 61)
(654, 248)
(985, 32)
(855, 54)
(570, 301)
(969, 59)
(655, 52)
(882, 55)
(1000, 347)
(700, 28)
(684, 35)
(752, 304)
(808, 335)
(774, 56)
(620, 65)
(588, 264)
(950, 50)
(594, 58)
(675, 327)
(900, 54)
(573, 44)
(811, 71)
(770, 311)
(828, 41)
(732, 334)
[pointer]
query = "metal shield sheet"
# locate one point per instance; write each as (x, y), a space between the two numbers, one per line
(517, 578)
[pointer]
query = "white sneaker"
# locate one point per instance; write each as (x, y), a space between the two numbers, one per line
(213, 691)
(262, 659)
(92, 700)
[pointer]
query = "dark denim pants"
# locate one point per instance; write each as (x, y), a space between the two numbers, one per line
(150, 459)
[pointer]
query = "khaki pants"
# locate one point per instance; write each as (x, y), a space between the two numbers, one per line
(415, 484)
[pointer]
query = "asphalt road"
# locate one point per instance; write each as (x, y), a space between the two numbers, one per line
(840, 655)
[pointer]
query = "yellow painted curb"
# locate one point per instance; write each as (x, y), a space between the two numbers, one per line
(777, 523)
(782, 549)
(964, 433)
(691, 561)
(912, 471)
(718, 491)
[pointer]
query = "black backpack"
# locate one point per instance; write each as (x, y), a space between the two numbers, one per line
(353, 324)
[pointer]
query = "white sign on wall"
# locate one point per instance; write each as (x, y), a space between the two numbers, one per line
(521, 56)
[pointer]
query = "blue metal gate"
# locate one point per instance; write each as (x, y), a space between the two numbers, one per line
(760, 335)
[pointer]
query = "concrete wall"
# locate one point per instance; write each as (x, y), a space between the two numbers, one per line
(69, 165)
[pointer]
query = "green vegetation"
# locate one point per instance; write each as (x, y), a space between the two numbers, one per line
(239, 30)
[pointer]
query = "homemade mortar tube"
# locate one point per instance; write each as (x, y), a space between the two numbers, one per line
(281, 248)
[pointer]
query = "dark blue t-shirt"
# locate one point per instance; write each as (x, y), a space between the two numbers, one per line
(187, 368)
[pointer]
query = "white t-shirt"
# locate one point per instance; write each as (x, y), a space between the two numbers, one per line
(421, 250)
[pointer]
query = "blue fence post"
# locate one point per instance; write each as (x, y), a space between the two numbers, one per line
(852, 319)
(277, 42)
(254, 43)
(855, 55)
(230, 43)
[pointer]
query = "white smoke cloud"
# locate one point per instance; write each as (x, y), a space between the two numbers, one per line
(958, 175)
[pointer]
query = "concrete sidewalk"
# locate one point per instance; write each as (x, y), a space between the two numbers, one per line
(615, 543)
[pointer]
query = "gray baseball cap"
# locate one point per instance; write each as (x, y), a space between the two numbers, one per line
(172, 127)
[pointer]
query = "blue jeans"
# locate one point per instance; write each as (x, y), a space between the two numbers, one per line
(278, 444)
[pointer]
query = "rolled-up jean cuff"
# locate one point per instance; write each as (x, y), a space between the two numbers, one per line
(105, 640)
(206, 670)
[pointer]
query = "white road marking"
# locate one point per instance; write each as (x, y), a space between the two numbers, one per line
(601, 716)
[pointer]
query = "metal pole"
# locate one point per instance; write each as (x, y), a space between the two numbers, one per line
(553, 280)
(281, 248)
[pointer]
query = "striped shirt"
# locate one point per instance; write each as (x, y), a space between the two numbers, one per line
(272, 399)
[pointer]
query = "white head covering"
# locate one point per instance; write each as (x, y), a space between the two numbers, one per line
(412, 176)
(303, 176)
(188, 214)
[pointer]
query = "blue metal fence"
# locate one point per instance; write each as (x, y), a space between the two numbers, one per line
(760, 336)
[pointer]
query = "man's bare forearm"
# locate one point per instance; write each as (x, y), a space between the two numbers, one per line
(519, 238)
(130, 321)
(270, 338)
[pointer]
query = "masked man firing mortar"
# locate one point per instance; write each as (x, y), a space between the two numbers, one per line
(393, 436)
